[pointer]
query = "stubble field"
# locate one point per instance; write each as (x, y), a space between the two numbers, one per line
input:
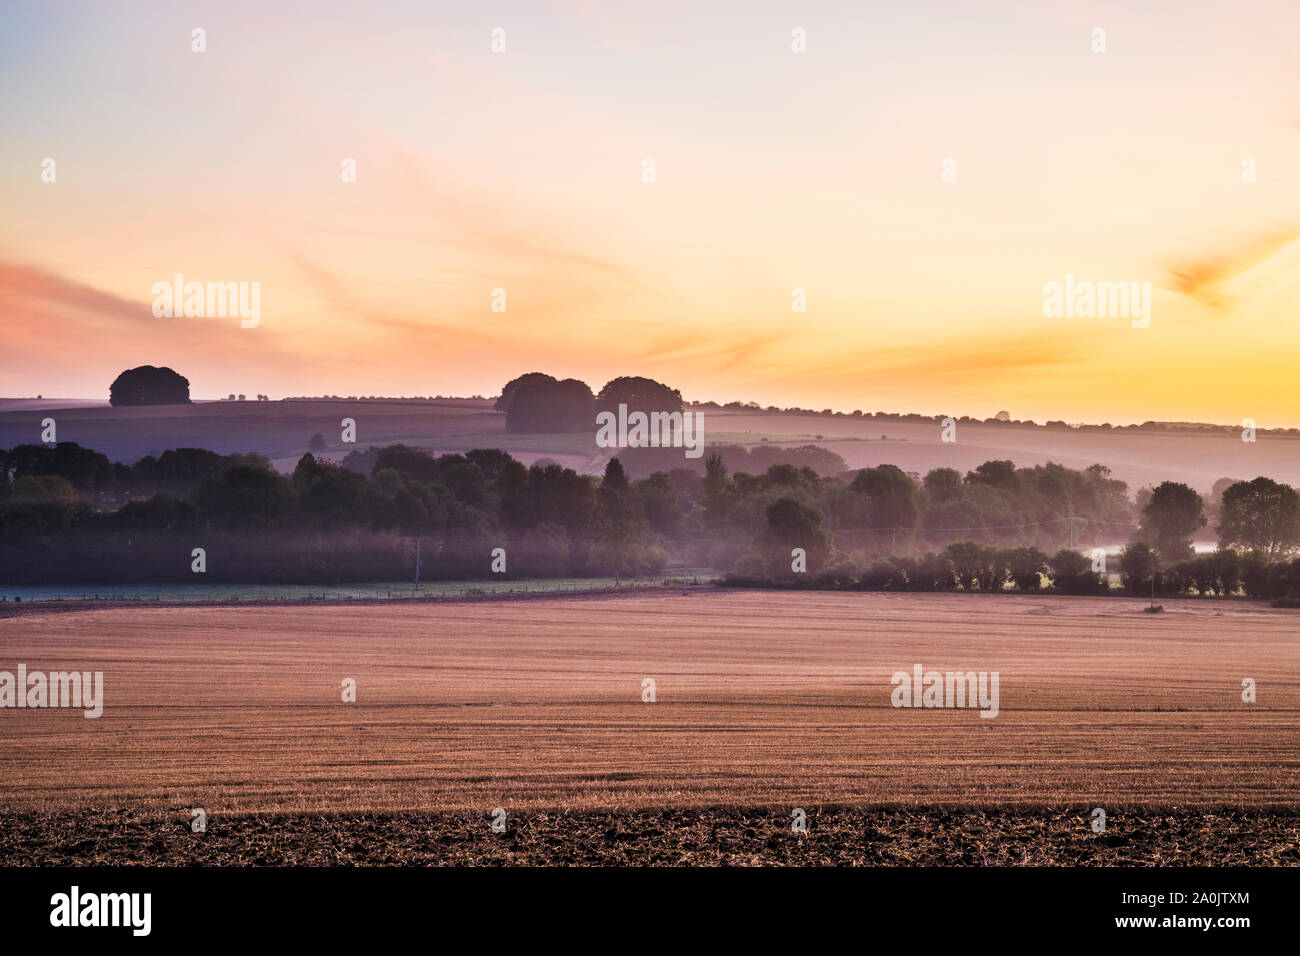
(763, 700)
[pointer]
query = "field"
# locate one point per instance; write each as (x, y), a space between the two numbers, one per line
(836, 836)
(80, 595)
(763, 700)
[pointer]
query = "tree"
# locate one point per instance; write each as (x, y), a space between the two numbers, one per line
(639, 395)
(149, 385)
(551, 406)
(512, 387)
(1254, 573)
(414, 463)
(1137, 566)
(999, 473)
(943, 484)
(717, 489)
(329, 493)
(1072, 573)
(556, 496)
(316, 443)
(245, 496)
(87, 470)
(1262, 514)
(659, 503)
(160, 512)
(1227, 567)
(895, 502)
(977, 565)
(392, 501)
(620, 523)
(41, 503)
(1026, 567)
(177, 469)
(793, 525)
(1173, 514)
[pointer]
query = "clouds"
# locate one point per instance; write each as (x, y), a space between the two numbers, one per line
(1209, 280)
(521, 171)
(64, 337)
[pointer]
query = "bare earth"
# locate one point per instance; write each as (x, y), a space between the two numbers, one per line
(764, 699)
(835, 836)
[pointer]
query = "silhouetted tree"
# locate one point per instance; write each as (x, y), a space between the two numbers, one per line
(512, 387)
(543, 406)
(149, 385)
(639, 395)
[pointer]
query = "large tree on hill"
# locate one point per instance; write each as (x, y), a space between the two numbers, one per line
(149, 385)
(639, 395)
(551, 407)
(1173, 514)
(1262, 514)
(513, 386)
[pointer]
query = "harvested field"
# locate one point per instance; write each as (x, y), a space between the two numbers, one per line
(763, 699)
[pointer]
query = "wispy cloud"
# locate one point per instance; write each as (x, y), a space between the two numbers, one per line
(78, 332)
(1205, 279)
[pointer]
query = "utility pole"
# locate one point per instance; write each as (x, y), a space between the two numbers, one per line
(417, 564)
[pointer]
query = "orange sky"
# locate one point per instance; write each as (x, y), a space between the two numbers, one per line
(775, 170)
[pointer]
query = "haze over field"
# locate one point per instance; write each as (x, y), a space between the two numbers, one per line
(281, 431)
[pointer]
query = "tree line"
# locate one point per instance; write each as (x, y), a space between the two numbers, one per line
(1257, 524)
(69, 514)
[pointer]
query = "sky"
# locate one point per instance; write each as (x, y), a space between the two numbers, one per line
(774, 171)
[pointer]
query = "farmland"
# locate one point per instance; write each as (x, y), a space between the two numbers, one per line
(762, 699)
